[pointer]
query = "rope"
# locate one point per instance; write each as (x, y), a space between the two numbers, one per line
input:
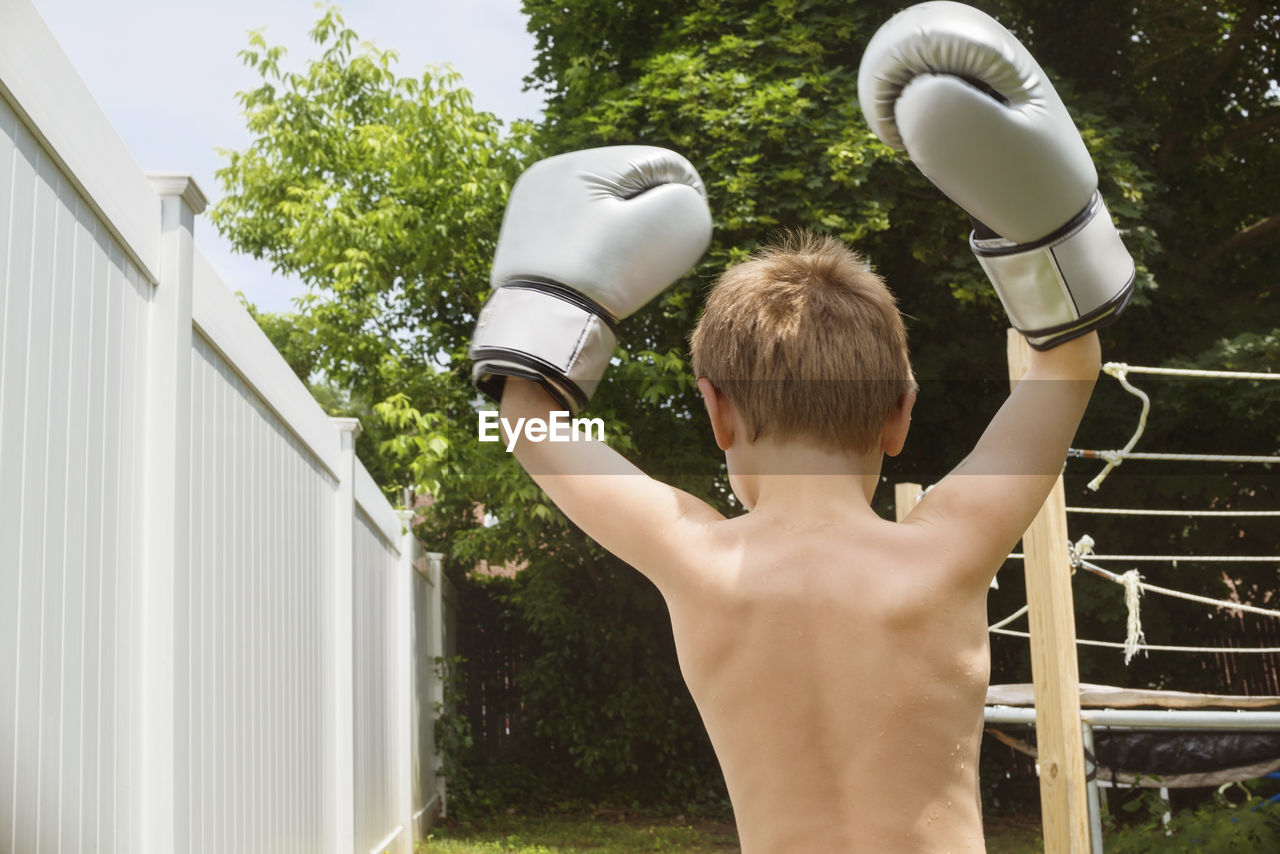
(1174, 559)
(1132, 581)
(1132, 577)
(1192, 558)
(1155, 647)
(1114, 458)
(1134, 637)
(1009, 619)
(1076, 551)
(1134, 587)
(1120, 371)
(1135, 511)
(1190, 372)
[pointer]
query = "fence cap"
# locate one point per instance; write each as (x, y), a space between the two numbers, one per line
(179, 184)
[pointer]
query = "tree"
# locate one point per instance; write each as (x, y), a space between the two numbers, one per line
(384, 195)
(1199, 82)
(763, 99)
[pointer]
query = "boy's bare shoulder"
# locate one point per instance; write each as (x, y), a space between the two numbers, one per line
(704, 547)
(972, 546)
(728, 553)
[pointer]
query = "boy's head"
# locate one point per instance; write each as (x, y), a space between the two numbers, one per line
(807, 343)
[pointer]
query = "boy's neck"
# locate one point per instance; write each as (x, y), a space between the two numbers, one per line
(798, 477)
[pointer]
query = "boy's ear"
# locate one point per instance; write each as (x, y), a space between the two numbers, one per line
(720, 410)
(894, 434)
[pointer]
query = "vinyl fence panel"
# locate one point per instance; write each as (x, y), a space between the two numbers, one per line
(377, 557)
(72, 362)
(212, 634)
(252, 665)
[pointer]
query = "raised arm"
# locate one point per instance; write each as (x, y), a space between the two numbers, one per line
(643, 521)
(980, 118)
(989, 500)
(588, 238)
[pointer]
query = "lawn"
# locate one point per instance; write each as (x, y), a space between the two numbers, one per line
(605, 832)
(611, 832)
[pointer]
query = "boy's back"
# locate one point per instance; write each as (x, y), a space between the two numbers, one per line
(841, 672)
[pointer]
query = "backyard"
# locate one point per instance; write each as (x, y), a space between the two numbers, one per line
(618, 832)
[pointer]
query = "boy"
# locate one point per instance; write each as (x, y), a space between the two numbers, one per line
(839, 661)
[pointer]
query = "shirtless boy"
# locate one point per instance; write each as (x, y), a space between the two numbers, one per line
(838, 660)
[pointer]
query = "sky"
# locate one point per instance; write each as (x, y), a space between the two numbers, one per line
(165, 72)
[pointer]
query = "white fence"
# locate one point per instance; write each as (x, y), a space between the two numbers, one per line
(215, 634)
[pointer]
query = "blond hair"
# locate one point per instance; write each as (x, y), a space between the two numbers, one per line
(807, 342)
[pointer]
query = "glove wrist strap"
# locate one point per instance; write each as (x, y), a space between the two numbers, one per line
(547, 333)
(1075, 280)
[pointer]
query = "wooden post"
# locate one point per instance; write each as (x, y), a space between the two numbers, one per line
(1054, 670)
(905, 497)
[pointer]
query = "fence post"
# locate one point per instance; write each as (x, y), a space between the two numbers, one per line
(435, 562)
(905, 497)
(156, 802)
(1054, 669)
(401, 623)
(341, 705)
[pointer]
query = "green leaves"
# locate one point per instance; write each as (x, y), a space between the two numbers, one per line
(382, 193)
(1231, 821)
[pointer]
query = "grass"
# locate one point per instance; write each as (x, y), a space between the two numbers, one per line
(602, 832)
(1011, 835)
(613, 832)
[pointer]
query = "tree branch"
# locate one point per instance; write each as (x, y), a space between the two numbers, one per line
(1227, 140)
(1227, 56)
(1242, 239)
(1222, 63)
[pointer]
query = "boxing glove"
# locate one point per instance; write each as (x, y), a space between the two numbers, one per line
(588, 238)
(980, 119)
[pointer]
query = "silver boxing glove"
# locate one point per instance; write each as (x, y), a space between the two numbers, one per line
(588, 238)
(981, 120)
